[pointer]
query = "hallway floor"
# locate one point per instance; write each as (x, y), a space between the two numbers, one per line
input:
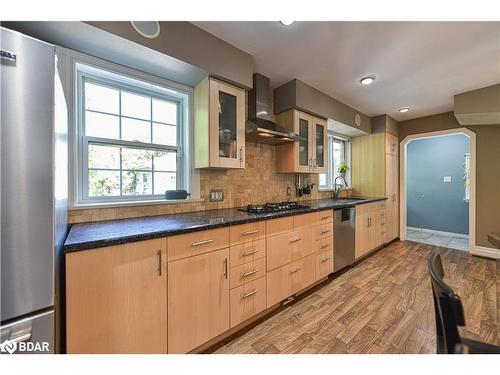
(444, 240)
(382, 305)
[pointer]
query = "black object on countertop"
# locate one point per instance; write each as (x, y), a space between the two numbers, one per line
(87, 236)
(176, 194)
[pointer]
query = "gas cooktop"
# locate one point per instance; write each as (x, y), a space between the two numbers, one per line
(272, 207)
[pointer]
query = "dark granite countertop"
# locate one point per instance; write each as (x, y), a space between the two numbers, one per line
(87, 236)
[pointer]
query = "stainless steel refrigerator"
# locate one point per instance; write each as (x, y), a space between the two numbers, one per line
(33, 192)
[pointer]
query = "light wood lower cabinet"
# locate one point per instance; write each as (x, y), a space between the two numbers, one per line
(198, 300)
(370, 224)
(324, 264)
(248, 300)
(116, 299)
(285, 248)
(289, 279)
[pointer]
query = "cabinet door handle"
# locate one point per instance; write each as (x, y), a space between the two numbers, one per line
(325, 246)
(249, 294)
(325, 259)
(325, 231)
(249, 273)
(295, 240)
(296, 269)
(159, 263)
(250, 253)
(249, 232)
(394, 197)
(241, 155)
(225, 268)
(369, 222)
(201, 242)
(325, 217)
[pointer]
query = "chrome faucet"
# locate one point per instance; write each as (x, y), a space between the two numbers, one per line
(337, 190)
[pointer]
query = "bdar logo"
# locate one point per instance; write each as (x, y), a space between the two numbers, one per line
(8, 346)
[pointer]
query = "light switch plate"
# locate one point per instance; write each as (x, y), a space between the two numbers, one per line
(216, 195)
(447, 179)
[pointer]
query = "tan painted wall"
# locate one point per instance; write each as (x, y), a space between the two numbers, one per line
(487, 170)
(297, 94)
(189, 43)
(257, 183)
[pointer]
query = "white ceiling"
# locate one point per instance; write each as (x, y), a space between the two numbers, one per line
(417, 64)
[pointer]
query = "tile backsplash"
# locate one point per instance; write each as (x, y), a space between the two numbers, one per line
(257, 183)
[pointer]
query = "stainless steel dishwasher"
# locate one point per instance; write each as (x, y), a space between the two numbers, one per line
(344, 228)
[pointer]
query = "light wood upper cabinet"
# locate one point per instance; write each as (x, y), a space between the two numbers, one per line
(116, 299)
(219, 125)
(310, 153)
(198, 300)
(320, 149)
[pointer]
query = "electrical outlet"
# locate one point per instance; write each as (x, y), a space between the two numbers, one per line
(216, 195)
(288, 190)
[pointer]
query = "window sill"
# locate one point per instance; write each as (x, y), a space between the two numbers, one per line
(329, 189)
(85, 206)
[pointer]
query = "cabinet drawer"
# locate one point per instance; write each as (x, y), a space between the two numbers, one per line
(247, 252)
(324, 217)
(279, 226)
(324, 244)
(289, 279)
(304, 220)
(367, 208)
(248, 300)
(247, 232)
(324, 231)
(247, 272)
(189, 244)
(288, 247)
(324, 264)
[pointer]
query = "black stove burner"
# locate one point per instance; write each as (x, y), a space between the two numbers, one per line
(272, 207)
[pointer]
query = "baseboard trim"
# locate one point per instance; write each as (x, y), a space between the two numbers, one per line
(460, 235)
(487, 252)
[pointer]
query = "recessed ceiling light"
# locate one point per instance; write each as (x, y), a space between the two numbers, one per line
(404, 109)
(287, 23)
(367, 80)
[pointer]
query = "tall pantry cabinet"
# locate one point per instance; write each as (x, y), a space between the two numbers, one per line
(375, 173)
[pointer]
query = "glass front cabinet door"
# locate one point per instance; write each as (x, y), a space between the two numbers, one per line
(309, 153)
(219, 125)
(320, 130)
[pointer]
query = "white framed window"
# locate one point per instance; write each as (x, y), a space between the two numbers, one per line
(339, 150)
(131, 137)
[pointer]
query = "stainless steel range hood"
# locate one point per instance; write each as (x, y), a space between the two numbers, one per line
(259, 127)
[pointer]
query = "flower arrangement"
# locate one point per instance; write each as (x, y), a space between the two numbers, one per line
(343, 168)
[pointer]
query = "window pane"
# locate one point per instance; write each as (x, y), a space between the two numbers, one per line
(138, 106)
(104, 157)
(136, 159)
(164, 111)
(164, 181)
(102, 99)
(102, 126)
(136, 130)
(104, 183)
(136, 183)
(322, 179)
(165, 161)
(164, 134)
(338, 156)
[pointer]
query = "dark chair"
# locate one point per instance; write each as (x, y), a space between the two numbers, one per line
(449, 315)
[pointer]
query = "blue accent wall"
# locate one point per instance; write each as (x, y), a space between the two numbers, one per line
(432, 203)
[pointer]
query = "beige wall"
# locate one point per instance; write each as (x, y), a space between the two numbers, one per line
(487, 170)
(257, 183)
(189, 43)
(297, 94)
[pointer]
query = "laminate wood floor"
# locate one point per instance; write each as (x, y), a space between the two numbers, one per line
(382, 305)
